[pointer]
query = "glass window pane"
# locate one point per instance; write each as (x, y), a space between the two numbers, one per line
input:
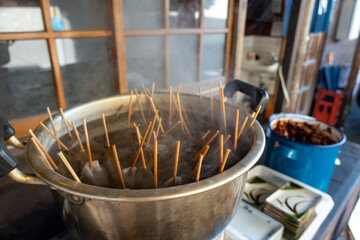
(213, 55)
(183, 59)
(26, 82)
(184, 14)
(80, 14)
(21, 16)
(215, 13)
(87, 69)
(143, 14)
(145, 62)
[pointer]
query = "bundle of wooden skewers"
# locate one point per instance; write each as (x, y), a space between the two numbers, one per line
(171, 148)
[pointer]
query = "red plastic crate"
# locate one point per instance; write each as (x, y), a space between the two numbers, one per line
(327, 106)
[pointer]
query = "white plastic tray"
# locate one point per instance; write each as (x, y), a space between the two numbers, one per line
(322, 209)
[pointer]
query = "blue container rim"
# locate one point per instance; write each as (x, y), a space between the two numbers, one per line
(306, 118)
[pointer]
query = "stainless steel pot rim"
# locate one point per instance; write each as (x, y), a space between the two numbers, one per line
(59, 182)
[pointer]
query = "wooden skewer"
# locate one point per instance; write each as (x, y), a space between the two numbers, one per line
(155, 163)
(152, 127)
(199, 168)
(38, 143)
(52, 125)
(146, 91)
(176, 105)
(170, 96)
(106, 131)
(129, 114)
(118, 112)
(147, 95)
(67, 127)
(78, 137)
(68, 166)
(218, 149)
(150, 97)
(207, 143)
(176, 161)
(227, 138)
(56, 139)
(153, 89)
(69, 123)
(180, 112)
(211, 105)
(41, 153)
(221, 148)
(140, 147)
(133, 109)
(205, 135)
(178, 89)
(139, 102)
(154, 110)
(204, 152)
(158, 128)
(154, 134)
(256, 114)
(223, 111)
(179, 104)
(181, 118)
(186, 117)
(225, 158)
(88, 144)
(139, 141)
(118, 166)
(172, 127)
(236, 129)
(207, 147)
(243, 126)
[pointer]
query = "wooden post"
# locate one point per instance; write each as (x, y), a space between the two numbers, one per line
(290, 50)
(302, 33)
(240, 37)
(307, 102)
(56, 71)
(120, 45)
(345, 106)
(201, 41)
(167, 43)
(229, 40)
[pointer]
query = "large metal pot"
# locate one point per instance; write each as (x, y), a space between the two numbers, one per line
(199, 210)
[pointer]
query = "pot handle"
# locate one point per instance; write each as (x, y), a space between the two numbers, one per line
(7, 161)
(259, 97)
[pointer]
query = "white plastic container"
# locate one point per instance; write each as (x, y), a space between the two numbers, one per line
(249, 226)
(250, 223)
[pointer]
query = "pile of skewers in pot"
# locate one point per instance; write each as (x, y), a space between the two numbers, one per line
(304, 132)
(150, 147)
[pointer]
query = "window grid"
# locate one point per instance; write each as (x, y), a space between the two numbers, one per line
(118, 34)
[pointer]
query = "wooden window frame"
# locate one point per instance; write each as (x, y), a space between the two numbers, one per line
(22, 125)
(118, 34)
(200, 31)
